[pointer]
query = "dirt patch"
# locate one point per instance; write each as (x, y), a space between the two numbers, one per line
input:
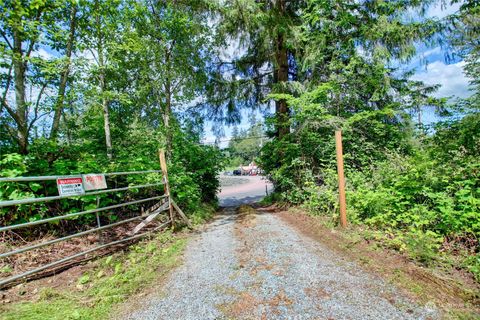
(245, 219)
(262, 265)
(246, 216)
(451, 292)
(280, 299)
(245, 303)
(242, 307)
(65, 276)
(317, 293)
(31, 291)
(29, 260)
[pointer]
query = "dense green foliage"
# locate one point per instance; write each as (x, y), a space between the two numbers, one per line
(97, 293)
(193, 170)
(418, 185)
(244, 146)
(100, 86)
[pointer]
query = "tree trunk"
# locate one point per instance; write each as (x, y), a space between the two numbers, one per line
(419, 116)
(106, 113)
(103, 86)
(19, 81)
(166, 120)
(282, 111)
(108, 138)
(168, 107)
(64, 76)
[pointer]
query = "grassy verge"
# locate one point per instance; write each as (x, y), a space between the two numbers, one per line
(448, 287)
(107, 283)
(203, 214)
(424, 247)
(272, 198)
(98, 291)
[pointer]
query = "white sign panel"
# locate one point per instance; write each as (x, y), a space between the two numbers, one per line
(94, 182)
(70, 186)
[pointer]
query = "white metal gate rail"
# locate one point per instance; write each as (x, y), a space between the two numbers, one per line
(165, 203)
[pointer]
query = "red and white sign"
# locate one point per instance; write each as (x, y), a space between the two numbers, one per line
(70, 186)
(94, 182)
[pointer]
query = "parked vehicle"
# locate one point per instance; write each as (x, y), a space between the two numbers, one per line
(237, 172)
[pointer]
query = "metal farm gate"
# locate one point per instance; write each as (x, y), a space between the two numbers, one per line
(82, 185)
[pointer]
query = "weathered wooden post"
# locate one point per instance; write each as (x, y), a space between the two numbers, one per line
(341, 179)
(163, 166)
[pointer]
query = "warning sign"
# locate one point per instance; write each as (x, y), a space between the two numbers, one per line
(70, 186)
(94, 182)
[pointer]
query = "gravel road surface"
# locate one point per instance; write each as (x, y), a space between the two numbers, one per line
(237, 190)
(255, 266)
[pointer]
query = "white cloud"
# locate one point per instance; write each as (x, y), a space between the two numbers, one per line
(209, 139)
(450, 76)
(42, 53)
(232, 51)
(439, 11)
(433, 51)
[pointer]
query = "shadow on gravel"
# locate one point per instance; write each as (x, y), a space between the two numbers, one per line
(237, 201)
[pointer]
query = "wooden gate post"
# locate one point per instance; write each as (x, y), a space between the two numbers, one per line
(163, 166)
(341, 179)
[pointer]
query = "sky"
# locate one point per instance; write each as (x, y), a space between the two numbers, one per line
(430, 66)
(437, 70)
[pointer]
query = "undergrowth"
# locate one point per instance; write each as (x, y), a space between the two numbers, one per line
(457, 298)
(203, 213)
(421, 197)
(113, 280)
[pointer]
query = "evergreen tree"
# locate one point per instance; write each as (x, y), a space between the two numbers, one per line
(265, 31)
(464, 31)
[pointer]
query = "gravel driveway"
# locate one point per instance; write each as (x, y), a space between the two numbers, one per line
(255, 266)
(237, 190)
